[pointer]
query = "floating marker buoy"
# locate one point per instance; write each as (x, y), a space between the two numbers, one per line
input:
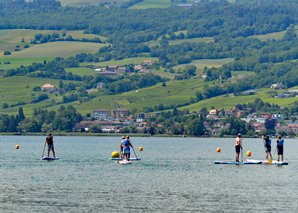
(218, 150)
(141, 149)
(115, 155)
(17, 147)
(248, 153)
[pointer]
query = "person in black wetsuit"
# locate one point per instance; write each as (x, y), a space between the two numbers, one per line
(50, 142)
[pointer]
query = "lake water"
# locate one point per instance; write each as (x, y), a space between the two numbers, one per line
(174, 175)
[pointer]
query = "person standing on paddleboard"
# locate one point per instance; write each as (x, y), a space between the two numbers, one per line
(280, 148)
(126, 149)
(267, 145)
(238, 146)
(50, 142)
(121, 148)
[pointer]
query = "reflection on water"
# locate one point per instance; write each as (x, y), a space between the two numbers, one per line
(175, 174)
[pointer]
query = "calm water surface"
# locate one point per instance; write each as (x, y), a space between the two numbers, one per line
(174, 175)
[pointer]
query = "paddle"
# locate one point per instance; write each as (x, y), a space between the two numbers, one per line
(43, 149)
(241, 150)
(134, 150)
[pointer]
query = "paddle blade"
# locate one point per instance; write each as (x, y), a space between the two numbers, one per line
(270, 161)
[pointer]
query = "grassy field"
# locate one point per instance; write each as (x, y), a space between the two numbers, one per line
(123, 62)
(83, 3)
(19, 88)
(152, 4)
(17, 62)
(229, 102)
(14, 36)
(180, 41)
(209, 63)
(63, 49)
(267, 36)
(81, 71)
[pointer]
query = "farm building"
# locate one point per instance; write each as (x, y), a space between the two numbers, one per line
(48, 87)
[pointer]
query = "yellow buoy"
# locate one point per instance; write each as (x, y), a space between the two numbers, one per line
(248, 153)
(218, 150)
(115, 155)
(141, 149)
(17, 147)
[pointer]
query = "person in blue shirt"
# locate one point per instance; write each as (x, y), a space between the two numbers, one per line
(126, 148)
(267, 145)
(280, 148)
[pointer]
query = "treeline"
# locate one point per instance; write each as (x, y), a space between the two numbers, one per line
(42, 121)
(215, 19)
(45, 38)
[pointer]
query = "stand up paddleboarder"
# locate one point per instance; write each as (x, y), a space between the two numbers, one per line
(50, 142)
(121, 147)
(280, 148)
(126, 149)
(267, 145)
(238, 146)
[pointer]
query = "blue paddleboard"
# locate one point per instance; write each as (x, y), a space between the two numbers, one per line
(237, 163)
(131, 159)
(49, 158)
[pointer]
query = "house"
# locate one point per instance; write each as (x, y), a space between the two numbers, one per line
(212, 112)
(276, 86)
(142, 116)
(240, 113)
(109, 73)
(120, 113)
(215, 131)
(278, 116)
(49, 87)
(282, 96)
(113, 67)
(266, 115)
(121, 69)
(107, 125)
(147, 62)
(219, 124)
(100, 85)
(101, 113)
(260, 120)
(138, 67)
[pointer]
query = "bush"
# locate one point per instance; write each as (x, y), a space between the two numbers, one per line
(26, 46)
(7, 53)
(5, 105)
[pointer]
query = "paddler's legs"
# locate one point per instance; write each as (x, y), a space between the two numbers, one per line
(53, 153)
(237, 156)
(266, 156)
(49, 153)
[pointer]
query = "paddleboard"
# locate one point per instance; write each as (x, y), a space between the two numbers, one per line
(49, 158)
(267, 162)
(131, 159)
(124, 162)
(237, 163)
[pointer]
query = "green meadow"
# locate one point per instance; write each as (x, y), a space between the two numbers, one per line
(17, 62)
(83, 3)
(81, 71)
(152, 4)
(63, 49)
(123, 62)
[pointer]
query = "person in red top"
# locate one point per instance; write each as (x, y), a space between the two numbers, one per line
(50, 142)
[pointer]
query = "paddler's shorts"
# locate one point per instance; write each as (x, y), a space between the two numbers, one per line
(280, 150)
(126, 151)
(237, 148)
(51, 147)
(268, 148)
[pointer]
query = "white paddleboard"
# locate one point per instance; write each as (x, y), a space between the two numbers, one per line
(49, 158)
(124, 162)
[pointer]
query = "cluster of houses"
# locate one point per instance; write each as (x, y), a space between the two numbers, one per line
(115, 70)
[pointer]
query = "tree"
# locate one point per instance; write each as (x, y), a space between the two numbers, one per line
(270, 124)
(95, 128)
(151, 130)
(21, 114)
(5, 105)
(196, 127)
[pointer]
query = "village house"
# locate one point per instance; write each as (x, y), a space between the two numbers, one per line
(49, 87)
(113, 68)
(105, 125)
(278, 116)
(101, 113)
(120, 113)
(240, 113)
(184, 5)
(138, 67)
(266, 115)
(215, 131)
(142, 116)
(212, 112)
(147, 62)
(121, 69)
(219, 124)
(101, 85)
(276, 86)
